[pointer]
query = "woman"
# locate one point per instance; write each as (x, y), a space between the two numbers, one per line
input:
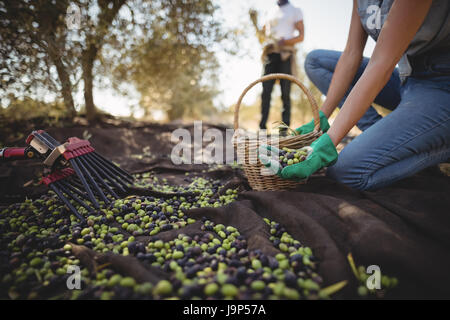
(415, 34)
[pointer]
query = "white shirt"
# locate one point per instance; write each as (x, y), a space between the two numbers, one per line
(281, 21)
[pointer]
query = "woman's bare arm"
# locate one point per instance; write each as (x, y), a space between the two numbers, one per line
(347, 65)
(402, 23)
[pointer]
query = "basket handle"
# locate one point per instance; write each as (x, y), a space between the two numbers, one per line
(274, 76)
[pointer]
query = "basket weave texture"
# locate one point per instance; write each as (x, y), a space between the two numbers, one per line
(247, 144)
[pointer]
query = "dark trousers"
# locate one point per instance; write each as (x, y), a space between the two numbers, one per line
(276, 65)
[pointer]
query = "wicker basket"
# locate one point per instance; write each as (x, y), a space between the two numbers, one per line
(259, 177)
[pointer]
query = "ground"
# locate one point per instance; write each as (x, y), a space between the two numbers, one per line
(154, 242)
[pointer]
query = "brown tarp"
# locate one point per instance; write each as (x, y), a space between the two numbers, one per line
(404, 229)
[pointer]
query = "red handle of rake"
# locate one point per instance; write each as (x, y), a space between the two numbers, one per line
(9, 154)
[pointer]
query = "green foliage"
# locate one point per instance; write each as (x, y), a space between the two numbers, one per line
(174, 68)
(163, 48)
(33, 55)
(27, 108)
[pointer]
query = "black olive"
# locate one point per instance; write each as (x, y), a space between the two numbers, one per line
(290, 279)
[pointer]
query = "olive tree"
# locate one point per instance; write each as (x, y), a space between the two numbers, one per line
(162, 47)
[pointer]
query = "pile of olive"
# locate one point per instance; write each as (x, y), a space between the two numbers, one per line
(35, 254)
(292, 156)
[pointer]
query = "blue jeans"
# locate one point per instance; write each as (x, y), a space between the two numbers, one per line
(415, 135)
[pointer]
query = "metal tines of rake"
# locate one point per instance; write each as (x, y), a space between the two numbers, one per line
(89, 178)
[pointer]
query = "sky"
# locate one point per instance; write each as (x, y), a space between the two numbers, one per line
(326, 27)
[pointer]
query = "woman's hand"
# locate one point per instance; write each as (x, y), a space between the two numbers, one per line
(309, 127)
(321, 153)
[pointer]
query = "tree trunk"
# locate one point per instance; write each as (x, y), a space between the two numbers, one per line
(66, 85)
(95, 42)
(88, 64)
(66, 88)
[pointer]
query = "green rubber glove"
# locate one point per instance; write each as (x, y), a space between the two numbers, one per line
(309, 127)
(269, 157)
(323, 154)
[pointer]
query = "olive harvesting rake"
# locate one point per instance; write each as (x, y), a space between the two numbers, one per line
(77, 171)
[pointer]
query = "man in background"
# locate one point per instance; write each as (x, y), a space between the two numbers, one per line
(279, 33)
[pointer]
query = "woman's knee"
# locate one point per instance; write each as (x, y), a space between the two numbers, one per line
(349, 171)
(312, 61)
(319, 67)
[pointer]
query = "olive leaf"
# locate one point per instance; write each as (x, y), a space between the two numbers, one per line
(328, 291)
(281, 125)
(352, 265)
